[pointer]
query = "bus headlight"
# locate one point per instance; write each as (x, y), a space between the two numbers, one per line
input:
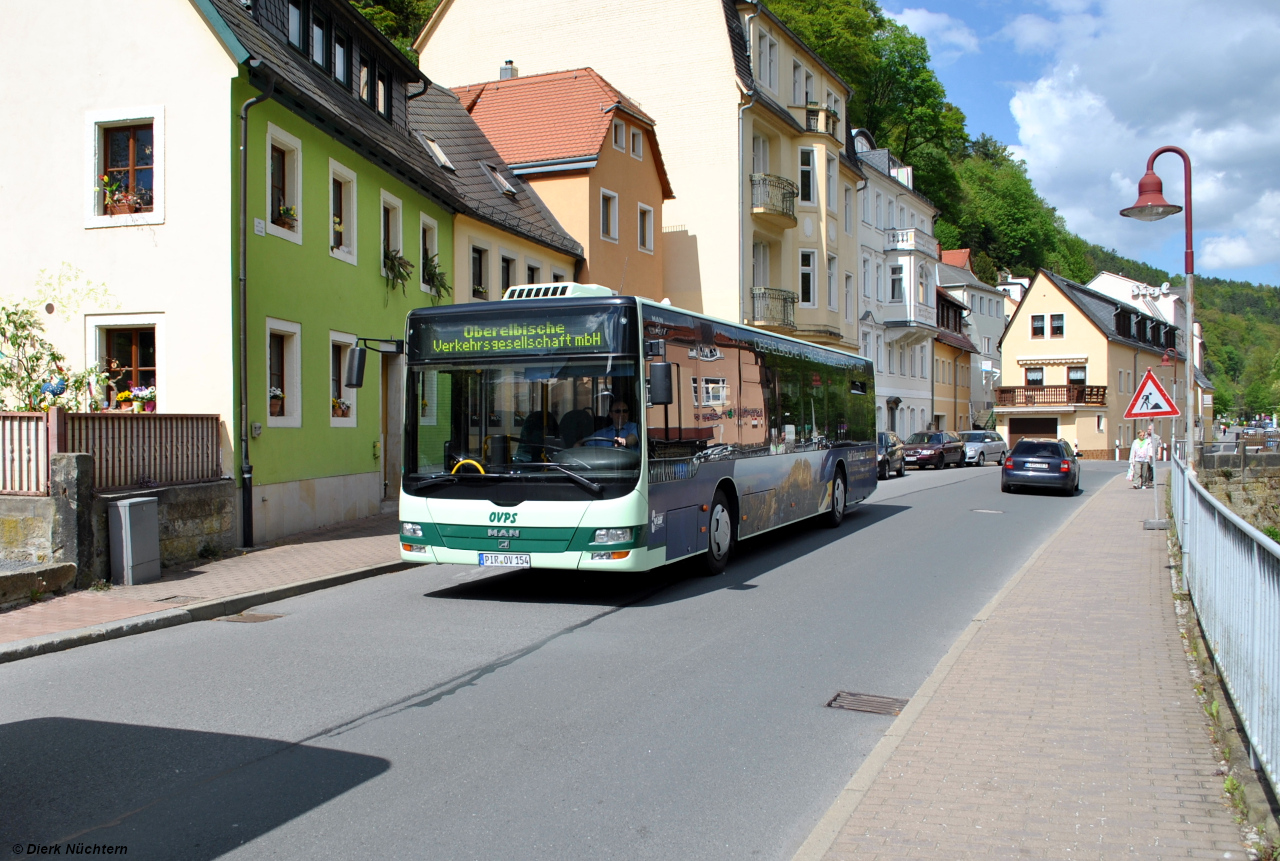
(413, 530)
(613, 536)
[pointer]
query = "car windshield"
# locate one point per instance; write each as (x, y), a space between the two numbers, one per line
(1037, 449)
(972, 436)
(885, 439)
(921, 438)
(534, 428)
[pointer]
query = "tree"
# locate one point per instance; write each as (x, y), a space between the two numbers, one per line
(399, 20)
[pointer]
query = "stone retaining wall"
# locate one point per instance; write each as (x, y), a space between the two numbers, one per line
(1248, 484)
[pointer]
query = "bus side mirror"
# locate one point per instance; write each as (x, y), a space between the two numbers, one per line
(355, 367)
(660, 383)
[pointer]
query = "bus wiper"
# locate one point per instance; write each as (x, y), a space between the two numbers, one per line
(428, 482)
(587, 483)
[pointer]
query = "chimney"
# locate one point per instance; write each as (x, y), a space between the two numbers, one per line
(508, 71)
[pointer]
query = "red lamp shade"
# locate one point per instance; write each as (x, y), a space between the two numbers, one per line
(1151, 205)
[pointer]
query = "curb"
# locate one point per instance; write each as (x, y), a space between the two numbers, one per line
(824, 834)
(202, 611)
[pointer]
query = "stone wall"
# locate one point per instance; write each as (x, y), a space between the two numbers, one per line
(1248, 484)
(26, 528)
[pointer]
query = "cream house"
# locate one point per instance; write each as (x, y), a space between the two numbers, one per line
(1072, 360)
(764, 226)
(984, 323)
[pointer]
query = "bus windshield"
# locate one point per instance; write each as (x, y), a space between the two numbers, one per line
(540, 427)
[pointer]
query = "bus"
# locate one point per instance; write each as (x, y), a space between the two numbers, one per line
(568, 427)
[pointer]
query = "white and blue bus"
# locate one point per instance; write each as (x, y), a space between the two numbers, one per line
(568, 427)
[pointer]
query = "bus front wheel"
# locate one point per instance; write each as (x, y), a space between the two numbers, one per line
(835, 514)
(719, 534)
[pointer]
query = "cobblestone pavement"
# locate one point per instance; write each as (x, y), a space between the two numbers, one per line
(1067, 727)
(329, 550)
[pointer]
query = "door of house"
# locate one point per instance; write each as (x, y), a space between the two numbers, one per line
(1038, 426)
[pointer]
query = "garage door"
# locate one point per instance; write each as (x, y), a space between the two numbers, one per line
(1018, 428)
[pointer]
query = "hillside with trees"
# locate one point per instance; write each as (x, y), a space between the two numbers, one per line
(985, 199)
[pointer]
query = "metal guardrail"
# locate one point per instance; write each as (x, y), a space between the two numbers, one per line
(1233, 574)
(147, 449)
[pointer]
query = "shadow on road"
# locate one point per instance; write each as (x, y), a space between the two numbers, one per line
(163, 793)
(753, 557)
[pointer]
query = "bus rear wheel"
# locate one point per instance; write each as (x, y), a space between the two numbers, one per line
(719, 534)
(835, 515)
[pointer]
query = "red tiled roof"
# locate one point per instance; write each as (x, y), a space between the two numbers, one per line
(959, 257)
(955, 339)
(553, 116)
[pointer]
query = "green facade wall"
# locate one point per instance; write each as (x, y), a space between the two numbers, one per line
(305, 285)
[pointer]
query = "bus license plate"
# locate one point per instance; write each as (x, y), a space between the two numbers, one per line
(506, 560)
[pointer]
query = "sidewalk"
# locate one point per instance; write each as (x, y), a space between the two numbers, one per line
(1062, 724)
(310, 560)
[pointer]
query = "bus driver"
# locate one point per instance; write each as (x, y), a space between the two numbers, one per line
(622, 433)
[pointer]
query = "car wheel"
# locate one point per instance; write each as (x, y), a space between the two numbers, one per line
(1006, 488)
(835, 515)
(941, 464)
(902, 469)
(883, 472)
(719, 535)
(982, 459)
(1003, 455)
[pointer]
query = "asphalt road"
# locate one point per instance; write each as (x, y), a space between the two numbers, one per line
(445, 712)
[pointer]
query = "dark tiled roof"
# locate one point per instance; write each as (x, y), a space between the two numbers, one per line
(1101, 310)
(322, 101)
(883, 162)
(440, 116)
(957, 340)
(954, 276)
(778, 110)
(738, 44)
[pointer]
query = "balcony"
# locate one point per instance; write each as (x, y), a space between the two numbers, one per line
(822, 121)
(910, 313)
(1071, 395)
(773, 309)
(912, 239)
(773, 199)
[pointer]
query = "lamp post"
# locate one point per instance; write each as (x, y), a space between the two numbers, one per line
(1151, 206)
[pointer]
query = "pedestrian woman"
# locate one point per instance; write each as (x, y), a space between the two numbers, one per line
(1138, 455)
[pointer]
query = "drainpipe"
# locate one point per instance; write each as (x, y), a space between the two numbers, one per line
(246, 468)
(742, 267)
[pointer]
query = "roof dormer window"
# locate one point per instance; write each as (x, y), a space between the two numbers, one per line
(436, 153)
(319, 42)
(295, 23)
(498, 180)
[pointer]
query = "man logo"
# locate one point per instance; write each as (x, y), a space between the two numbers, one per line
(504, 544)
(504, 533)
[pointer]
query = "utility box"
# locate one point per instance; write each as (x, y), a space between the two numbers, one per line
(133, 527)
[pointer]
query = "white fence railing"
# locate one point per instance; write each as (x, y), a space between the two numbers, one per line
(24, 454)
(1233, 574)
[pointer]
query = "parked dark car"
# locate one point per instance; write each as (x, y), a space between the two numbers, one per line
(938, 449)
(1036, 462)
(889, 454)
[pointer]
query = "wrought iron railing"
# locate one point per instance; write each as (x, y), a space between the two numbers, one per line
(773, 307)
(1043, 396)
(774, 195)
(819, 119)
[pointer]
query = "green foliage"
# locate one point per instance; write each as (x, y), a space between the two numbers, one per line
(433, 277)
(399, 20)
(28, 361)
(397, 270)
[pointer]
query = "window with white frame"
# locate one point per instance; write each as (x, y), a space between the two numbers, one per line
(437, 154)
(839, 111)
(833, 297)
(499, 181)
(923, 285)
(879, 282)
(619, 135)
(391, 234)
(902, 217)
(902, 361)
(608, 215)
(342, 213)
(429, 264)
(807, 273)
(808, 194)
(866, 205)
(986, 344)
(895, 283)
(848, 210)
(880, 350)
(284, 381)
(923, 367)
(832, 173)
(797, 82)
(888, 368)
(889, 218)
(644, 227)
(125, 167)
(637, 143)
(479, 272)
(759, 264)
(866, 277)
(849, 290)
(866, 344)
(808, 88)
(767, 60)
(879, 211)
(295, 23)
(342, 400)
(284, 184)
(759, 154)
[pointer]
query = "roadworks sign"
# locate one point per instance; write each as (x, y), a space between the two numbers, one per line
(1150, 401)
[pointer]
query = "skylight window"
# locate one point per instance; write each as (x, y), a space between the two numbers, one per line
(497, 179)
(436, 153)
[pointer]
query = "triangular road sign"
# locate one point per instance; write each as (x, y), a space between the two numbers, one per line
(1151, 401)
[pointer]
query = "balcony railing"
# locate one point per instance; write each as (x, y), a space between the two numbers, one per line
(822, 120)
(773, 307)
(911, 239)
(1047, 396)
(774, 198)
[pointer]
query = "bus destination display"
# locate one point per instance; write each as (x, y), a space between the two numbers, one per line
(493, 335)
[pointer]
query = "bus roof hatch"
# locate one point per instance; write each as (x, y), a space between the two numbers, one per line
(566, 288)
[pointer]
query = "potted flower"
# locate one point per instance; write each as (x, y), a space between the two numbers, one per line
(340, 409)
(276, 401)
(116, 197)
(286, 217)
(124, 400)
(144, 399)
(337, 242)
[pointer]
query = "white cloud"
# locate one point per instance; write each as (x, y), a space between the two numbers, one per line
(948, 37)
(1134, 75)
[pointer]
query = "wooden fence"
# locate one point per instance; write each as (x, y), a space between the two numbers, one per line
(128, 449)
(24, 454)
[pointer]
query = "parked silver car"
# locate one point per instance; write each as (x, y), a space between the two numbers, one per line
(981, 446)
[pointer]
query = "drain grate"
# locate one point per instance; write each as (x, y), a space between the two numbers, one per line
(872, 703)
(249, 617)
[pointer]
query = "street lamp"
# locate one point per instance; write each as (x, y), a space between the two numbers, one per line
(1151, 206)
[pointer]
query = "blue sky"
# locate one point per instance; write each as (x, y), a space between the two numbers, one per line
(1085, 90)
